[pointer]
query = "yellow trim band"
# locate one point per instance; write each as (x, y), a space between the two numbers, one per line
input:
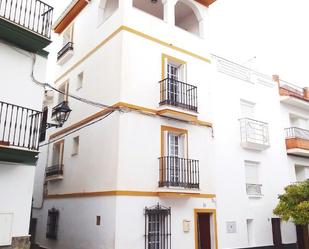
(138, 33)
(129, 193)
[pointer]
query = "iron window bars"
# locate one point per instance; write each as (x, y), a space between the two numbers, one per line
(176, 93)
(33, 15)
(19, 126)
(179, 172)
(157, 227)
(52, 224)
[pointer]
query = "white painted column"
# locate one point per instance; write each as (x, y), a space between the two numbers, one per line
(169, 11)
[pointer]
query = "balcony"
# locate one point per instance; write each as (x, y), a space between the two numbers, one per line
(179, 173)
(294, 95)
(297, 141)
(254, 134)
(26, 23)
(19, 133)
(65, 53)
(178, 100)
(54, 173)
(254, 190)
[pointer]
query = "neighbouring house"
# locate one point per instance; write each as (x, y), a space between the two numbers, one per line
(25, 29)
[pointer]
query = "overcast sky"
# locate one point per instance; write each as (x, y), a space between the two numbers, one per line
(273, 31)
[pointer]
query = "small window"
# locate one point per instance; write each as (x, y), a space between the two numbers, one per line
(75, 149)
(247, 109)
(80, 79)
(253, 186)
(98, 220)
(64, 92)
(158, 227)
(52, 224)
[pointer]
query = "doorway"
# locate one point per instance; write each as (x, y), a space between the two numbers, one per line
(205, 225)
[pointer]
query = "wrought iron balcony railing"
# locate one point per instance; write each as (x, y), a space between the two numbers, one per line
(294, 132)
(33, 15)
(254, 189)
(179, 172)
(67, 47)
(56, 170)
(179, 94)
(19, 126)
(254, 131)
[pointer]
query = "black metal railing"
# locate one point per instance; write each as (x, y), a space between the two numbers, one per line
(19, 126)
(254, 131)
(33, 15)
(67, 47)
(179, 172)
(254, 189)
(294, 132)
(55, 170)
(176, 93)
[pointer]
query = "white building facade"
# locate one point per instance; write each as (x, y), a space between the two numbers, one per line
(23, 38)
(151, 156)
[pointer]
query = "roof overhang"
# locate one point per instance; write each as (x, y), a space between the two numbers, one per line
(74, 8)
(206, 2)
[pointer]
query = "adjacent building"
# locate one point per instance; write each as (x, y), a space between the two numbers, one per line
(25, 28)
(167, 146)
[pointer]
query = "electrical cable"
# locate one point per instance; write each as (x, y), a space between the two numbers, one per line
(78, 129)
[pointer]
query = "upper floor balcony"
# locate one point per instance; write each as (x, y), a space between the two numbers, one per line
(65, 53)
(297, 141)
(19, 133)
(254, 134)
(179, 173)
(294, 95)
(26, 23)
(178, 94)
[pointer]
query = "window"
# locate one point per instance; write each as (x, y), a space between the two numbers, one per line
(301, 173)
(57, 156)
(52, 224)
(250, 232)
(67, 36)
(98, 220)
(64, 89)
(253, 187)
(174, 68)
(56, 168)
(80, 79)
(106, 9)
(247, 109)
(158, 227)
(75, 148)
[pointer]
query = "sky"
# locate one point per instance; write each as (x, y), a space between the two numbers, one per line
(275, 32)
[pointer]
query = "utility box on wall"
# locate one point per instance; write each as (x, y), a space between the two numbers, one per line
(186, 226)
(6, 221)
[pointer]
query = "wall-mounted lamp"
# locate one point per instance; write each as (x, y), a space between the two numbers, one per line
(61, 112)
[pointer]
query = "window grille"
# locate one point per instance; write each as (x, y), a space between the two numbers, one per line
(157, 227)
(52, 223)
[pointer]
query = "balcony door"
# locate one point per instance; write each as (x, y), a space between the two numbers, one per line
(173, 73)
(175, 152)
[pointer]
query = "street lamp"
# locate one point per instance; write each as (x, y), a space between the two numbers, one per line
(61, 112)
